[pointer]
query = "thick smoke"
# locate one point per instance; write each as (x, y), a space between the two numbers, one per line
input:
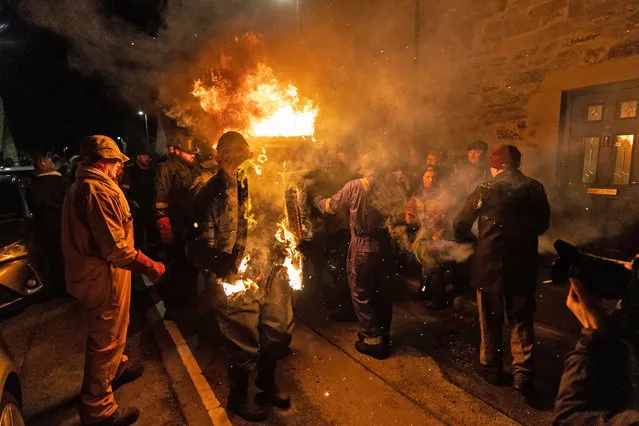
(360, 64)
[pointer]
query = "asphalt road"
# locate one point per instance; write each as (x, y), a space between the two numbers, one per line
(431, 378)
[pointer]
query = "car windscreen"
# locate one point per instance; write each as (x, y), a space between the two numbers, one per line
(11, 204)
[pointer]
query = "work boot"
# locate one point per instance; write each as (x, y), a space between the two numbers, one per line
(378, 351)
(492, 375)
(524, 385)
(266, 381)
(127, 372)
(121, 417)
(239, 402)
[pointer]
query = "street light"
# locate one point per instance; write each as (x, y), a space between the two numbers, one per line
(146, 123)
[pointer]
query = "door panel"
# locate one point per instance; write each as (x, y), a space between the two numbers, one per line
(602, 160)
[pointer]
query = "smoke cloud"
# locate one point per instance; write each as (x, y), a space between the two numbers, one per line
(358, 63)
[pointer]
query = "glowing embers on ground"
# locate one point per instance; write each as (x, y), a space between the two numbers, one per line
(294, 260)
(271, 108)
(241, 284)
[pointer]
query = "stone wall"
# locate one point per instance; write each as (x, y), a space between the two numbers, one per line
(485, 62)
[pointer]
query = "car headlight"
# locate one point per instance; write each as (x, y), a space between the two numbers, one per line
(13, 251)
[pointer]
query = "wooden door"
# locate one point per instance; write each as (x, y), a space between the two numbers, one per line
(601, 161)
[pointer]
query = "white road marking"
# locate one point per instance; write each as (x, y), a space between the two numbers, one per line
(216, 412)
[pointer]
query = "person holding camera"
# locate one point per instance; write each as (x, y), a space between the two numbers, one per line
(595, 386)
(512, 211)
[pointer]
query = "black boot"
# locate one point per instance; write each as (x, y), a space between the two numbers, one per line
(378, 351)
(493, 375)
(127, 372)
(239, 402)
(122, 417)
(524, 384)
(266, 381)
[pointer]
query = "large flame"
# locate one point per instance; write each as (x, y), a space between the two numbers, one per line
(241, 284)
(270, 108)
(293, 260)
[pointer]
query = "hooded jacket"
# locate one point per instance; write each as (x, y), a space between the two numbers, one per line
(97, 238)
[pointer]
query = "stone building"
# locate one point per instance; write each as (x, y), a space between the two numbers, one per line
(558, 78)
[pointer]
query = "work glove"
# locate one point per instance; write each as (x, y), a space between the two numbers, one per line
(151, 269)
(166, 233)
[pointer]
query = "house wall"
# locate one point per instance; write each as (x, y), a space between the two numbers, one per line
(495, 69)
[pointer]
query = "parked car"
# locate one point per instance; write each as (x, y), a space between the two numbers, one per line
(11, 399)
(21, 267)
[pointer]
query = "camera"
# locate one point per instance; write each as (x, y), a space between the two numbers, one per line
(605, 278)
(602, 277)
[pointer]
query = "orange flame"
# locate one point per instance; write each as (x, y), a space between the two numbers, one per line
(269, 107)
(293, 260)
(240, 285)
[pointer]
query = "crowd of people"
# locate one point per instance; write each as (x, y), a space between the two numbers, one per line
(196, 217)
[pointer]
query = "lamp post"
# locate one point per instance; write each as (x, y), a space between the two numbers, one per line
(146, 124)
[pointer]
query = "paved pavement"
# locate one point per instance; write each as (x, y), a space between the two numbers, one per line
(47, 342)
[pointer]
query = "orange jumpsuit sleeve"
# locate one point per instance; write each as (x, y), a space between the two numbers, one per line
(105, 220)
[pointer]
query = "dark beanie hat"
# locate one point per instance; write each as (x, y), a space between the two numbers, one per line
(478, 145)
(505, 157)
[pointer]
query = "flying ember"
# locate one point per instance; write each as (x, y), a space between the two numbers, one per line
(271, 108)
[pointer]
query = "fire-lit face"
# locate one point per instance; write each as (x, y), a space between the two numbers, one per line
(429, 178)
(111, 167)
(187, 156)
(475, 156)
(432, 159)
(144, 160)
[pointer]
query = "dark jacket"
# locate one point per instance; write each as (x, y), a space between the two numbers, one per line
(138, 185)
(172, 185)
(512, 211)
(595, 387)
(46, 195)
(216, 238)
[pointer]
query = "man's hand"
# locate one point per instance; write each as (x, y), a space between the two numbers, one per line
(585, 307)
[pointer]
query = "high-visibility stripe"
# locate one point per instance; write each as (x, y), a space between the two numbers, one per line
(327, 206)
(366, 184)
(161, 205)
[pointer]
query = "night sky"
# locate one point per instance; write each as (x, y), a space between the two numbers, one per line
(48, 104)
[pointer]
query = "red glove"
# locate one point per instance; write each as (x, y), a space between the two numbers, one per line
(166, 233)
(145, 266)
